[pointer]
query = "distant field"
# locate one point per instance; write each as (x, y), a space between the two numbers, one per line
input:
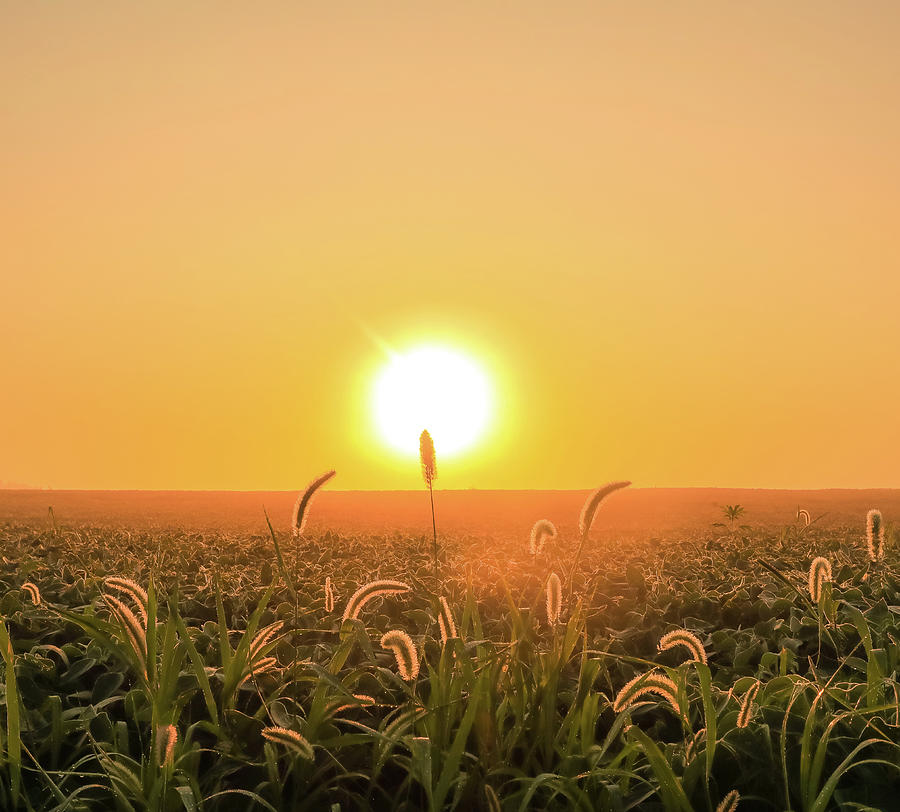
(635, 512)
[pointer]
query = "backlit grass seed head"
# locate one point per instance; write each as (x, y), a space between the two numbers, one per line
(730, 802)
(263, 637)
(682, 637)
(651, 682)
(329, 594)
(554, 598)
(166, 738)
(363, 700)
(33, 592)
(875, 535)
(131, 589)
(589, 510)
(542, 532)
(290, 740)
(819, 573)
(445, 621)
(803, 516)
(399, 727)
(371, 590)
(133, 629)
(746, 711)
(404, 651)
(426, 457)
(301, 506)
(262, 666)
(691, 749)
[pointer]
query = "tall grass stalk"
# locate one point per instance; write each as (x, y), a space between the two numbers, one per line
(429, 472)
(875, 535)
(586, 519)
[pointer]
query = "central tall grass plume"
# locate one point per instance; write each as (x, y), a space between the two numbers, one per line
(429, 472)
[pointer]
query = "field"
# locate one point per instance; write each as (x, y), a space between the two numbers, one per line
(234, 683)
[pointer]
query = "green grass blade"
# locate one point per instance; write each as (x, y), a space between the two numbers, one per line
(13, 723)
(671, 791)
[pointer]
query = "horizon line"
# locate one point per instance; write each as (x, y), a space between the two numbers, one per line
(34, 489)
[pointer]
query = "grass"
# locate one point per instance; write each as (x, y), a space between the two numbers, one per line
(797, 707)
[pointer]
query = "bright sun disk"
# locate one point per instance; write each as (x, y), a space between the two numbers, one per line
(431, 388)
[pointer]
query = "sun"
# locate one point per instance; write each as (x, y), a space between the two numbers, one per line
(434, 388)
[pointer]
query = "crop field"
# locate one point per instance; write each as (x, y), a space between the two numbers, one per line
(635, 656)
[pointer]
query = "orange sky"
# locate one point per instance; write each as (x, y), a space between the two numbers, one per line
(669, 232)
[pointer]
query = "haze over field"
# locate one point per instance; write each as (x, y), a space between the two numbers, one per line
(634, 513)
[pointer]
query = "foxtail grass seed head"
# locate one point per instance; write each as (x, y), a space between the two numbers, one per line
(367, 592)
(33, 592)
(404, 651)
(301, 506)
(803, 516)
(132, 590)
(255, 669)
(875, 535)
(426, 457)
(819, 573)
(651, 682)
(290, 740)
(554, 598)
(166, 738)
(730, 802)
(589, 510)
(691, 749)
(329, 594)
(133, 631)
(445, 621)
(362, 701)
(542, 532)
(263, 638)
(746, 711)
(682, 637)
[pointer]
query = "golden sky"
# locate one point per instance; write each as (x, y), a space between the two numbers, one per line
(667, 231)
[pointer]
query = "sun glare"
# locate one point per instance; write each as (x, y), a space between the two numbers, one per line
(432, 388)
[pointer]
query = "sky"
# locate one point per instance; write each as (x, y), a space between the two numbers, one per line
(667, 233)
